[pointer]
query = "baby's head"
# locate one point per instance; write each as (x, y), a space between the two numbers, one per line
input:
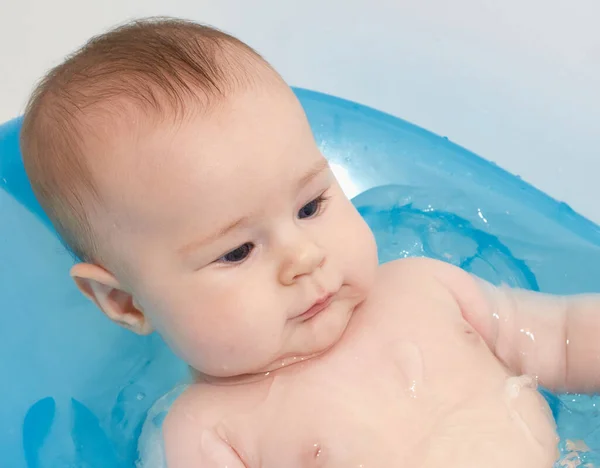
(181, 170)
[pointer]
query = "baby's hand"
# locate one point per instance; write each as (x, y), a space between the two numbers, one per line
(216, 453)
(206, 451)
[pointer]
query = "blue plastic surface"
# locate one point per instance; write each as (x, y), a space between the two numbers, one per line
(75, 388)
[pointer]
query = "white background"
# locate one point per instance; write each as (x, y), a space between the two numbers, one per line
(516, 81)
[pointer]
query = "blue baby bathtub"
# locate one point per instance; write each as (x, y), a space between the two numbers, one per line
(75, 388)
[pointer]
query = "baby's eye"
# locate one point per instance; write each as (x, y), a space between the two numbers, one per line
(238, 255)
(311, 208)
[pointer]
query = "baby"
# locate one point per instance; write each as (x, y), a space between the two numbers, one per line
(181, 170)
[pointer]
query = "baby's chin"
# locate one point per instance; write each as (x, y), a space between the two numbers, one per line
(317, 335)
(303, 341)
(261, 371)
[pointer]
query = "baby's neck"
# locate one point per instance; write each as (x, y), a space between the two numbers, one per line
(271, 371)
(201, 378)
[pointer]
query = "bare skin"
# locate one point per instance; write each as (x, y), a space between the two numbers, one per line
(229, 235)
(412, 383)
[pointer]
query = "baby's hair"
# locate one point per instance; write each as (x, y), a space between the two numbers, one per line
(159, 67)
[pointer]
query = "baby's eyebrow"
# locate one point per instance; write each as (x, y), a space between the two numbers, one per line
(321, 165)
(195, 245)
(313, 172)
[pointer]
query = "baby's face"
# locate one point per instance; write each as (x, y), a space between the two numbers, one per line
(231, 226)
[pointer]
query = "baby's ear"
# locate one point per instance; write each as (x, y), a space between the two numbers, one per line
(102, 288)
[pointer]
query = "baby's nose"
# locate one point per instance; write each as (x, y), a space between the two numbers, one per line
(301, 259)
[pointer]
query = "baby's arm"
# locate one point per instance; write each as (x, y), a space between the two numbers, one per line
(206, 451)
(191, 441)
(556, 338)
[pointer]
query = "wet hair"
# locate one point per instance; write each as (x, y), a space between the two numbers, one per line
(163, 68)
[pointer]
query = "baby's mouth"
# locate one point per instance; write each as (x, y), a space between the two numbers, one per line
(319, 306)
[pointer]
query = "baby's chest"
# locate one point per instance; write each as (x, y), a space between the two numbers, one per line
(327, 423)
(368, 405)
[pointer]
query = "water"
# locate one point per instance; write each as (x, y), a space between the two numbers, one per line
(412, 222)
(75, 389)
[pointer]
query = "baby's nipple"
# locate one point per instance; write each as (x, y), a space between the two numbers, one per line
(409, 360)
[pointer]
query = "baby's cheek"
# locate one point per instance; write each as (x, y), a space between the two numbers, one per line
(353, 234)
(246, 324)
(364, 251)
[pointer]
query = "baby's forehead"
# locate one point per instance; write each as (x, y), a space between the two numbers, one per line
(130, 107)
(83, 118)
(252, 141)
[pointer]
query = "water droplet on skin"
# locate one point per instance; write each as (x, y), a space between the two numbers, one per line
(412, 390)
(410, 364)
(514, 385)
(528, 333)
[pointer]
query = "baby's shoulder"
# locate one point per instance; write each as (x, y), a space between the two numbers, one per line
(197, 415)
(204, 405)
(415, 282)
(197, 402)
(418, 271)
